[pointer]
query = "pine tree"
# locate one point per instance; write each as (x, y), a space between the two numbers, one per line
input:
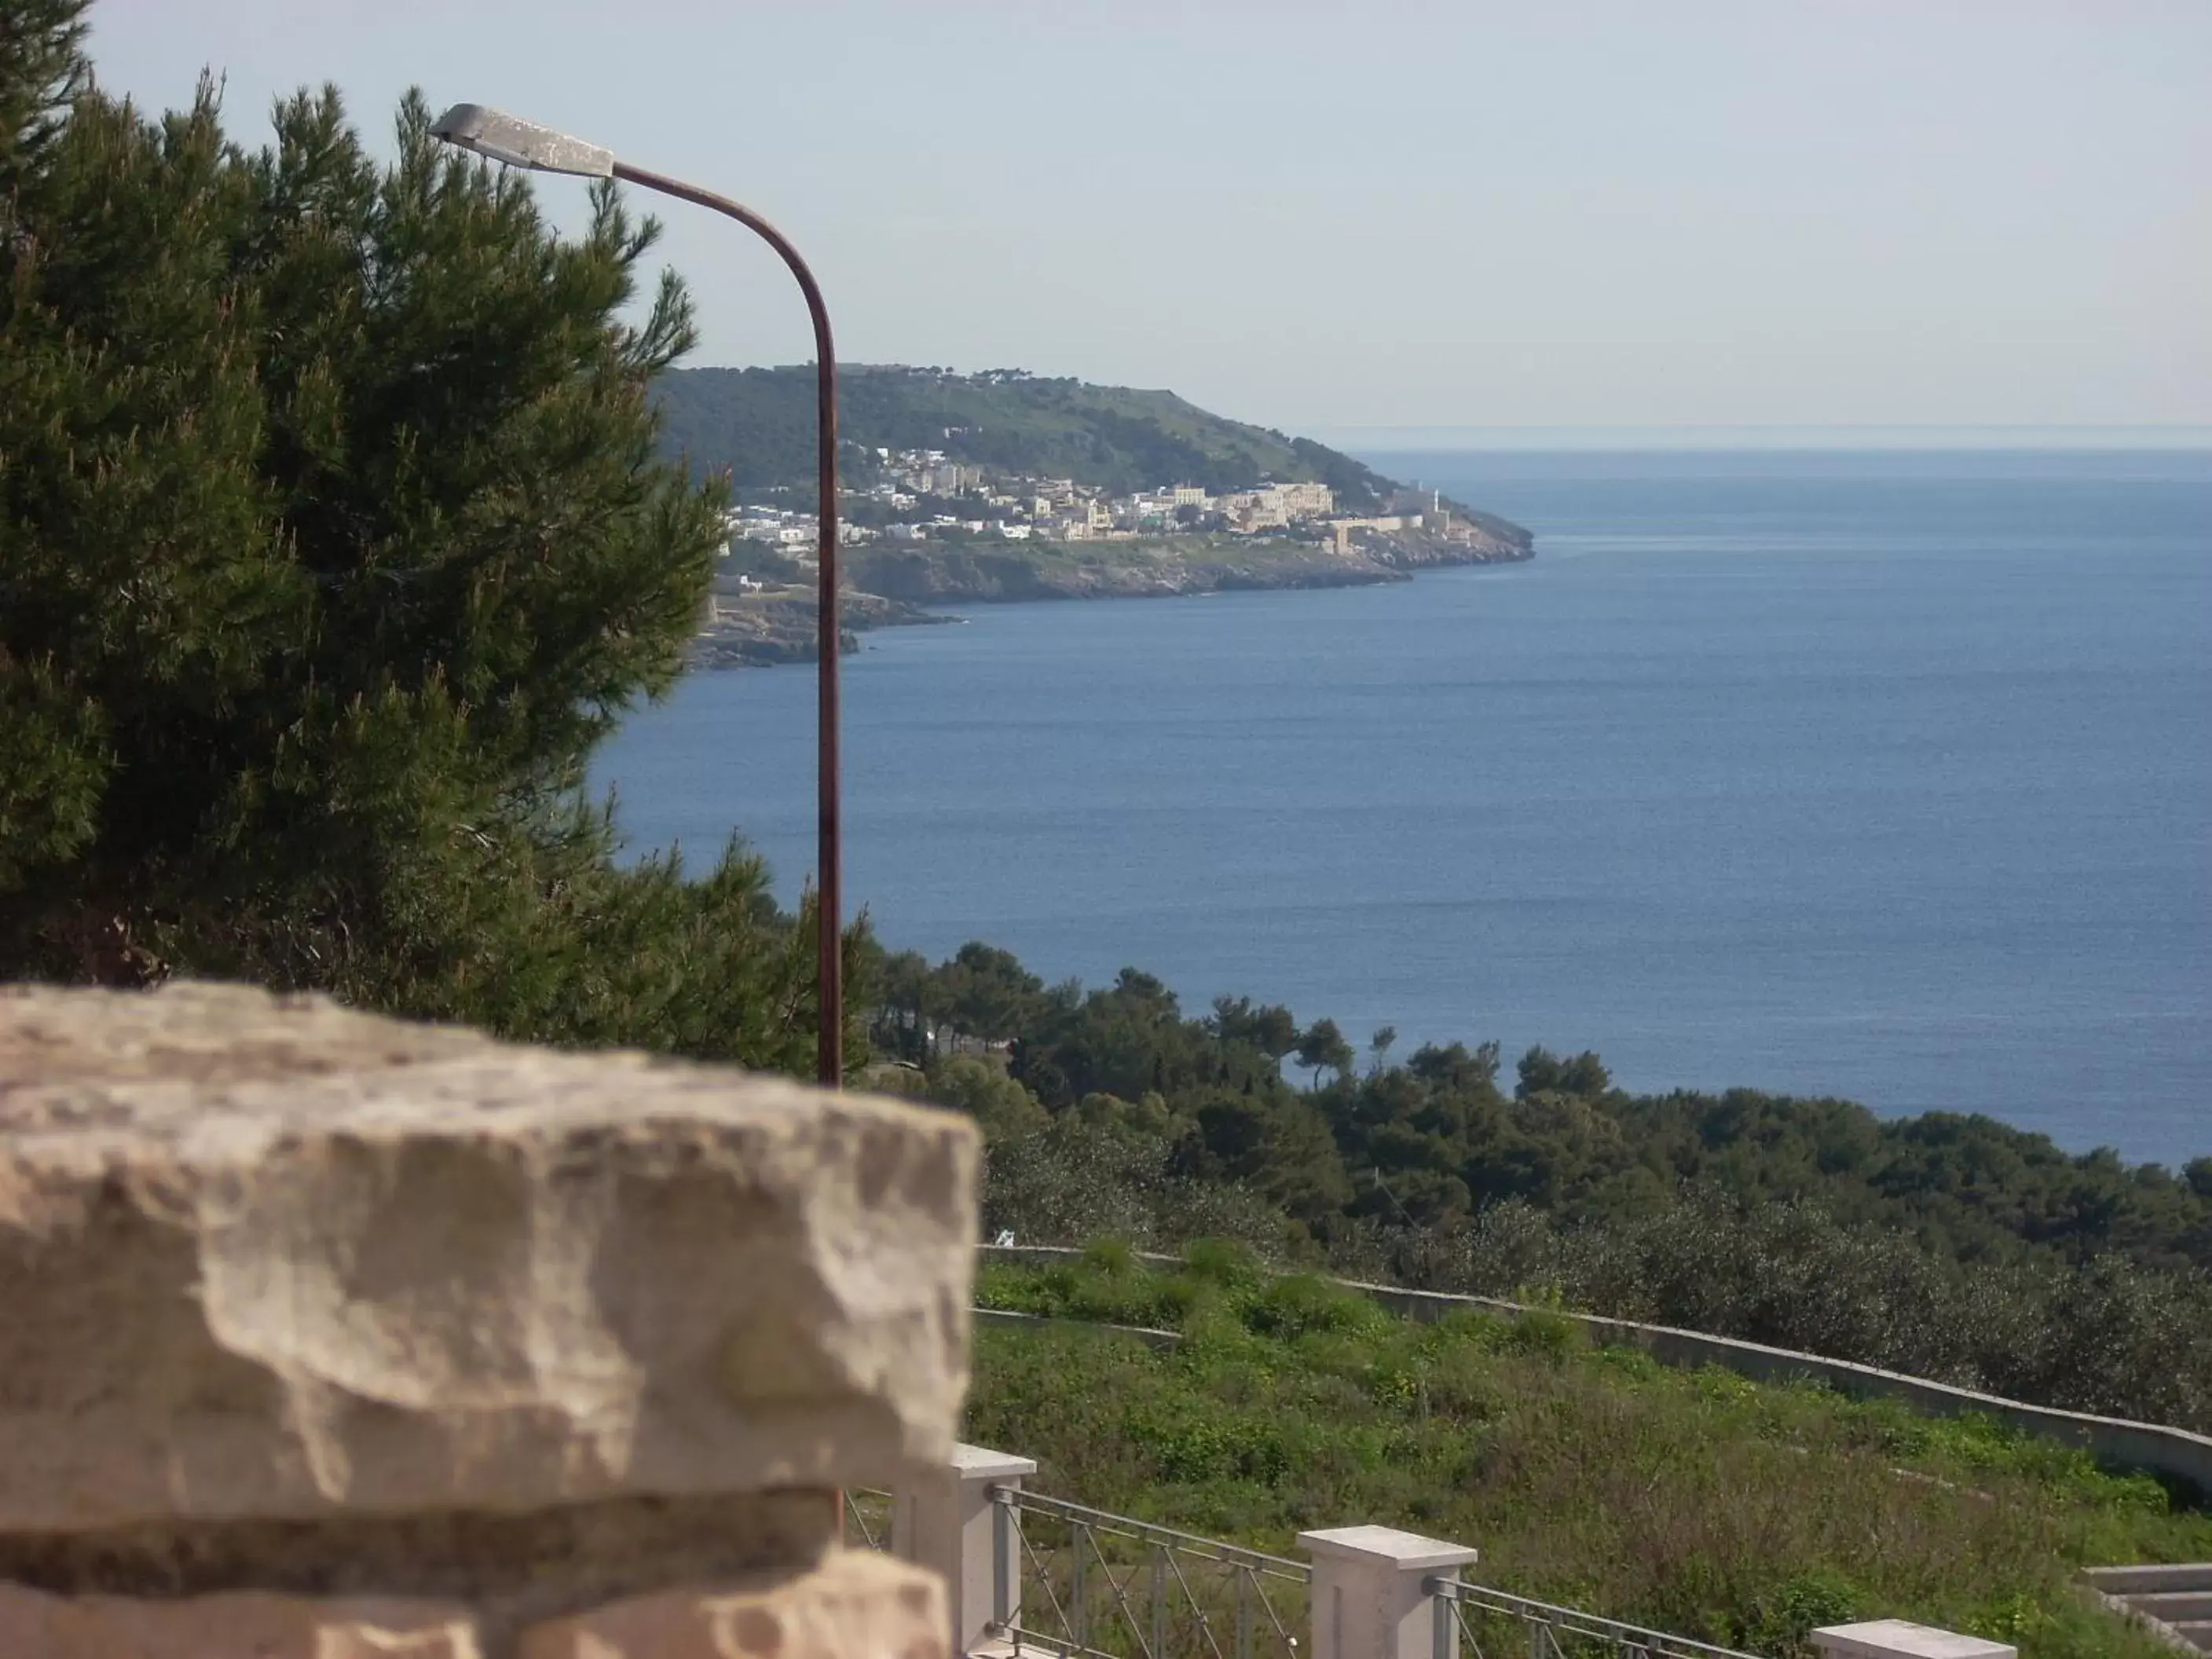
(42, 71)
(332, 539)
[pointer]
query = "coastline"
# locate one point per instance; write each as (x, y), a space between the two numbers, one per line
(901, 587)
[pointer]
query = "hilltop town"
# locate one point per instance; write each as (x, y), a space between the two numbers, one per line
(923, 495)
(923, 528)
(961, 489)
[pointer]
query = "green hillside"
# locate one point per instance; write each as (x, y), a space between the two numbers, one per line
(759, 422)
(1690, 1501)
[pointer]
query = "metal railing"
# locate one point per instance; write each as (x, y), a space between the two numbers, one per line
(867, 1518)
(1079, 1581)
(1495, 1625)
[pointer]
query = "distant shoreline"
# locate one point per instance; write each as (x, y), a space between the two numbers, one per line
(768, 628)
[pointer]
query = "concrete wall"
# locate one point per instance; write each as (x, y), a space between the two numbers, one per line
(2176, 1454)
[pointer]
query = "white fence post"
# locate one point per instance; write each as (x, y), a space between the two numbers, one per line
(942, 1518)
(1369, 1596)
(1893, 1638)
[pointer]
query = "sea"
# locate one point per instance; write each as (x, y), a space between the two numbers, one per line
(1878, 775)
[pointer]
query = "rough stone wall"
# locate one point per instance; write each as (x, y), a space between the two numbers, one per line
(324, 1334)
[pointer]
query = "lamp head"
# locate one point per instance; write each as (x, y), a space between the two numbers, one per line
(522, 143)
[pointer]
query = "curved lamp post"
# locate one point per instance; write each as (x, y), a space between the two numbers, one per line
(525, 145)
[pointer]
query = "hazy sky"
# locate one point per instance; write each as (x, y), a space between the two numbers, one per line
(1381, 214)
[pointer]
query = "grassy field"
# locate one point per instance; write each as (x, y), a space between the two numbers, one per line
(1695, 1502)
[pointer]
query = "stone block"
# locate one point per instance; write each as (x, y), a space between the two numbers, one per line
(263, 1258)
(244, 1625)
(1900, 1639)
(856, 1604)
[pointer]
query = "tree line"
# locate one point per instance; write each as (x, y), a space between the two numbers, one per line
(1948, 1245)
(1247, 1093)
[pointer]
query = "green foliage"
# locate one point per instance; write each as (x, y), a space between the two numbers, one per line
(332, 539)
(1295, 1304)
(1702, 1504)
(1949, 1247)
(2106, 1334)
(1223, 1263)
(980, 1087)
(1783, 1619)
(1322, 1048)
(42, 71)
(1544, 1330)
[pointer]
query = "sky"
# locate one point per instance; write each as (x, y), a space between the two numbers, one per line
(1583, 215)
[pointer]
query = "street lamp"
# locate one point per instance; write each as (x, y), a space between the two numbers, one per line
(525, 145)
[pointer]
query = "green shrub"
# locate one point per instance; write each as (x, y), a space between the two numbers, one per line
(1543, 1331)
(1296, 1303)
(1115, 1257)
(1781, 1620)
(1227, 1262)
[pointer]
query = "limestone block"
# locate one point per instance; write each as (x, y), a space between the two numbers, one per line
(856, 1604)
(264, 1257)
(246, 1625)
(1900, 1639)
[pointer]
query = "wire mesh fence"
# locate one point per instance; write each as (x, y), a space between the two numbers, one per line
(1476, 1622)
(1073, 1581)
(867, 1518)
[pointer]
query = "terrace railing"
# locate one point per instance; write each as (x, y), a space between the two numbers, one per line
(1025, 1571)
(1084, 1584)
(1493, 1624)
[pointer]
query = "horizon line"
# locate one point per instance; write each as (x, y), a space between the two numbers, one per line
(2161, 435)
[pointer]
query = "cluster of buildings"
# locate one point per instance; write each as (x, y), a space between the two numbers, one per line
(922, 494)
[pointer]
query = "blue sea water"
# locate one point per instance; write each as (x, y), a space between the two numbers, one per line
(1886, 775)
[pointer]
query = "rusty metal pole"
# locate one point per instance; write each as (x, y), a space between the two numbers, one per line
(829, 1044)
